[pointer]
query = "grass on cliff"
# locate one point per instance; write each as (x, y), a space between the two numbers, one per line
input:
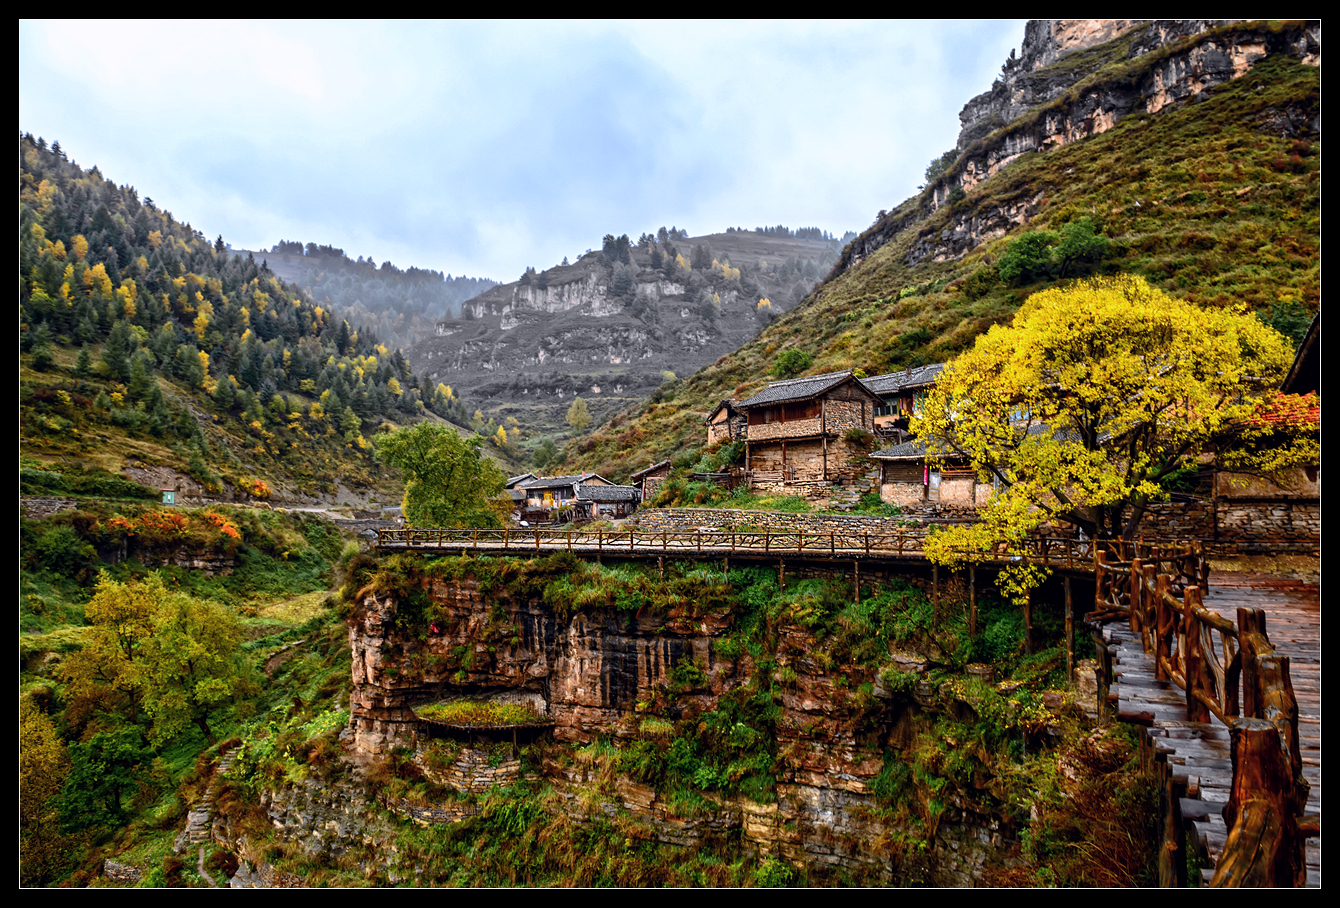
(944, 743)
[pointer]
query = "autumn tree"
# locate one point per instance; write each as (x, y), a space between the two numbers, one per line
(1096, 396)
(448, 480)
(154, 656)
(191, 665)
(579, 417)
(43, 765)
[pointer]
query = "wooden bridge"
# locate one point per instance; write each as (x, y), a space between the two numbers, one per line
(1234, 744)
(1232, 738)
(768, 545)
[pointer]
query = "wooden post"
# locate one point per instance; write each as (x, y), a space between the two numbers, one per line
(1172, 856)
(1165, 626)
(1099, 577)
(660, 564)
(856, 566)
(1148, 612)
(1028, 623)
(781, 574)
(1264, 846)
(1134, 593)
(1198, 676)
(1069, 634)
(1104, 678)
(972, 600)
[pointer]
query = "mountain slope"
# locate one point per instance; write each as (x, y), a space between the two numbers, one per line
(149, 351)
(611, 325)
(1215, 199)
(401, 306)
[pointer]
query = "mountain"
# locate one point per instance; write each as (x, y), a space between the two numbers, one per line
(616, 324)
(150, 353)
(1190, 152)
(400, 305)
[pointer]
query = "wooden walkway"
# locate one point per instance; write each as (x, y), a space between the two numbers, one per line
(1197, 753)
(1059, 553)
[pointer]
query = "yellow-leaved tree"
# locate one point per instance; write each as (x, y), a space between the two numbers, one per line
(1097, 396)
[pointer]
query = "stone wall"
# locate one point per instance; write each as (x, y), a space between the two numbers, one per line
(791, 428)
(841, 416)
(1265, 526)
(473, 770)
(42, 508)
(690, 519)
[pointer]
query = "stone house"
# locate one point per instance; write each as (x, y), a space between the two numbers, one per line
(553, 498)
(907, 480)
(901, 395)
(647, 480)
(726, 422)
(605, 501)
(808, 429)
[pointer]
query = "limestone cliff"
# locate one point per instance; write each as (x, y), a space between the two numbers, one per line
(605, 672)
(1075, 79)
(608, 331)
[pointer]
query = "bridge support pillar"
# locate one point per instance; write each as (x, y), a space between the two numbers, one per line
(972, 600)
(1069, 633)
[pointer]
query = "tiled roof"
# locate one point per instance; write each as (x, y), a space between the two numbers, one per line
(607, 493)
(893, 382)
(553, 482)
(904, 451)
(795, 389)
(658, 464)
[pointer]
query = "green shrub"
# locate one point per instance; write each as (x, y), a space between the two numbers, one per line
(790, 363)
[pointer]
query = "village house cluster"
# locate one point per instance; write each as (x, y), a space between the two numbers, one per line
(825, 429)
(806, 436)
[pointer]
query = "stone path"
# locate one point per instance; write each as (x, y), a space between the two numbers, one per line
(201, 815)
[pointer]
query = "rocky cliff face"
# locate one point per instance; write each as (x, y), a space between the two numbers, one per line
(1075, 79)
(524, 349)
(593, 672)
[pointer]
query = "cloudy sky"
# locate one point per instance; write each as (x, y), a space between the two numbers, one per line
(482, 148)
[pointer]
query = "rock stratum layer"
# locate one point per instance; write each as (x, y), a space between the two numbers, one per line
(592, 672)
(1076, 79)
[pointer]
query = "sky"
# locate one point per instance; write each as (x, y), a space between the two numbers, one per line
(480, 149)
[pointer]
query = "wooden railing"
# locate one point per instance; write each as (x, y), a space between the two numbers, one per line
(1232, 672)
(1050, 551)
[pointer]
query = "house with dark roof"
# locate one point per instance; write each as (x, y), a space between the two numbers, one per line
(901, 397)
(726, 422)
(610, 501)
(907, 480)
(802, 429)
(552, 498)
(647, 480)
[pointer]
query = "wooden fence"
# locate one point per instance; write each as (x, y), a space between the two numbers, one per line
(1231, 672)
(1058, 552)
